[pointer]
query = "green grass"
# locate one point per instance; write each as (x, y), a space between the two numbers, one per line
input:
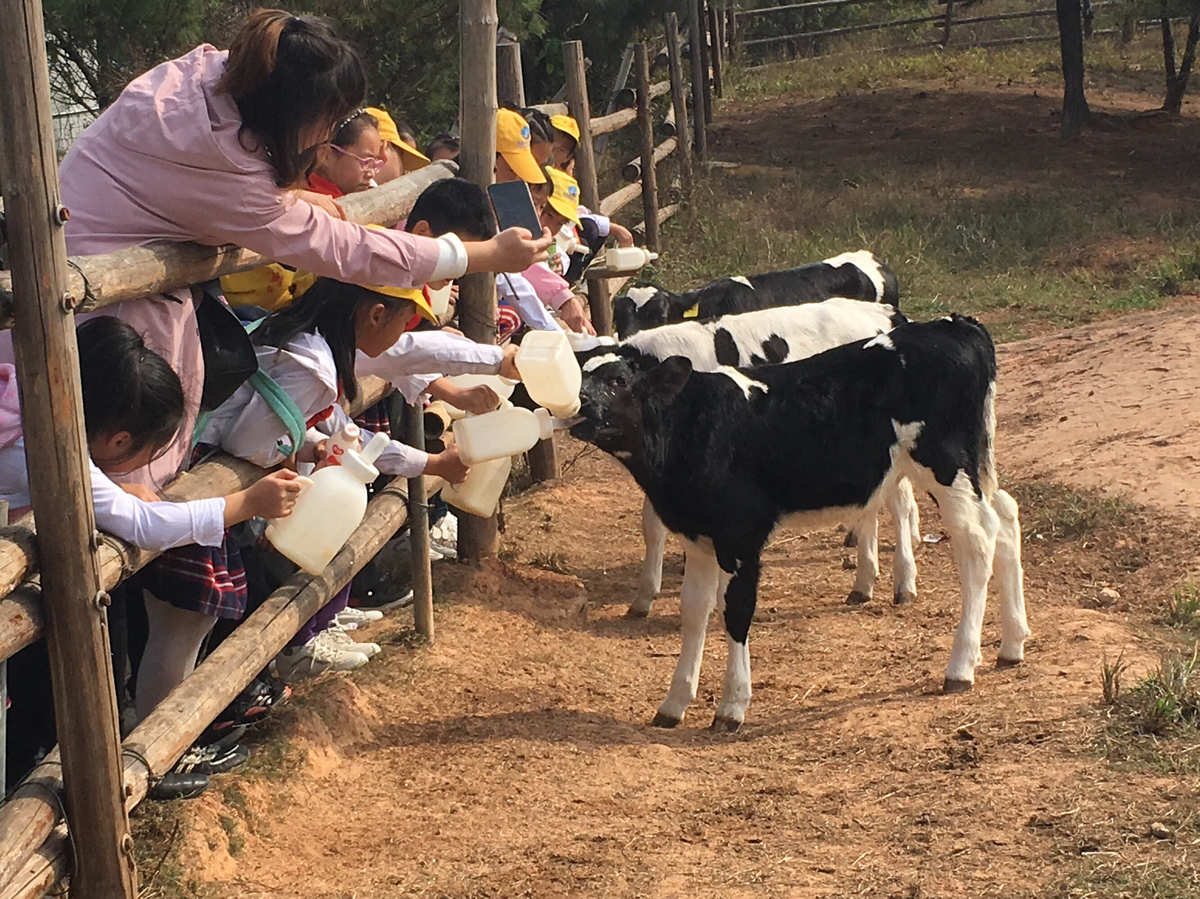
(1154, 724)
(1182, 610)
(1055, 511)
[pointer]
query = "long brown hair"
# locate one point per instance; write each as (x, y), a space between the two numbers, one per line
(287, 74)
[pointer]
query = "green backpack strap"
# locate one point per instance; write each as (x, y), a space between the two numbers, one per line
(281, 404)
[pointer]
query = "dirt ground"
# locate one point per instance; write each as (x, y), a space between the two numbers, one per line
(515, 757)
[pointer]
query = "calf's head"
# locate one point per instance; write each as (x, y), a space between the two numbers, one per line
(639, 308)
(623, 398)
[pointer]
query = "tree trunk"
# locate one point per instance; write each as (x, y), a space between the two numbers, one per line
(1070, 32)
(1177, 81)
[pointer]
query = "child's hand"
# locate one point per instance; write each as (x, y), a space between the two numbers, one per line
(447, 465)
(478, 399)
(572, 313)
(313, 452)
(512, 250)
(622, 235)
(273, 496)
(508, 365)
(142, 492)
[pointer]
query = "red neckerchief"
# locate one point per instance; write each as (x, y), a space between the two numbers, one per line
(320, 416)
(322, 185)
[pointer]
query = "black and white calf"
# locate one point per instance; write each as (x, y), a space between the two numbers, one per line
(785, 334)
(857, 275)
(724, 456)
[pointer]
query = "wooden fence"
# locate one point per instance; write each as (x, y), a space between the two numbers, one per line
(68, 819)
(938, 23)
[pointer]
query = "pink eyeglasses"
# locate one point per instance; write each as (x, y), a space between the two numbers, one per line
(370, 164)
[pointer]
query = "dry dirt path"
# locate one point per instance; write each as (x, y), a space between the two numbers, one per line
(515, 757)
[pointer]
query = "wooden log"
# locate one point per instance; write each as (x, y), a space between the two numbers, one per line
(48, 865)
(47, 361)
(413, 433)
(714, 42)
(622, 79)
(667, 127)
(621, 198)
(166, 733)
(478, 538)
(641, 65)
(510, 83)
(98, 281)
(679, 103)
(632, 170)
(551, 108)
(698, 80)
(606, 124)
(664, 213)
(585, 165)
(628, 96)
(543, 461)
(849, 29)
(948, 23)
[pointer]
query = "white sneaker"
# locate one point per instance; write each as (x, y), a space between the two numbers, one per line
(352, 616)
(315, 657)
(337, 639)
(443, 536)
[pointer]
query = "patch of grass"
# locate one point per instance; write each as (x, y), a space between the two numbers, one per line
(1155, 724)
(233, 833)
(551, 561)
(1182, 608)
(1057, 512)
(1110, 677)
(1125, 879)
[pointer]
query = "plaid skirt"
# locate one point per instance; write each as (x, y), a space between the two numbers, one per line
(210, 580)
(375, 418)
(508, 323)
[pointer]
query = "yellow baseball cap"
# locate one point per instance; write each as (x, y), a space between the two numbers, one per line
(414, 294)
(566, 124)
(565, 197)
(414, 158)
(512, 142)
(270, 287)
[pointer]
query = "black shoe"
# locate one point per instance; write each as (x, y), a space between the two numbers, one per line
(212, 759)
(178, 786)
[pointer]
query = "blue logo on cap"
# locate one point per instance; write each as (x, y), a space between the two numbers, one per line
(525, 132)
(572, 191)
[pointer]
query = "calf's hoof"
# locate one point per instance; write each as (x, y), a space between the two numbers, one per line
(636, 611)
(851, 540)
(725, 725)
(857, 598)
(663, 720)
(1002, 662)
(950, 685)
(903, 598)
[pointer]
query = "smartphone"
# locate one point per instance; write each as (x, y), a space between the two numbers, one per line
(514, 206)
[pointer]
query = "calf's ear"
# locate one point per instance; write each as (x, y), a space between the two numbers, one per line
(665, 380)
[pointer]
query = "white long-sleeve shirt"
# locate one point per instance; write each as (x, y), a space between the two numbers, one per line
(156, 526)
(419, 358)
(519, 293)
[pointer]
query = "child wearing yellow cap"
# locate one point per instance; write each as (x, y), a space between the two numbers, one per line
(514, 160)
(400, 154)
(566, 139)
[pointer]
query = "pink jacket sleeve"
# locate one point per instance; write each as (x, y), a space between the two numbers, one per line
(550, 288)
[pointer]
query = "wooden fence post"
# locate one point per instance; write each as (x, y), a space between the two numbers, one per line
(706, 61)
(510, 80)
(679, 103)
(698, 82)
(478, 538)
(948, 23)
(714, 41)
(85, 702)
(599, 301)
(641, 62)
(408, 423)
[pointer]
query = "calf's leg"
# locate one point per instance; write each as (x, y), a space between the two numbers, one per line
(908, 536)
(973, 526)
(654, 532)
(867, 572)
(698, 596)
(741, 596)
(1014, 629)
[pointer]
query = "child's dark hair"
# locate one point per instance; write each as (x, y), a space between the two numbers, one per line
(349, 129)
(454, 204)
(126, 385)
(287, 73)
(540, 129)
(443, 141)
(329, 307)
(405, 131)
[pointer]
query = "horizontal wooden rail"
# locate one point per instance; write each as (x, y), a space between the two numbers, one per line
(619, 199)
(28, 818)
(627, 96)
(811, 4)
(163, 265)
(632, 170)
(848, 29)
(21, 610)
(664, 213)
(552, 108)
(606, 124)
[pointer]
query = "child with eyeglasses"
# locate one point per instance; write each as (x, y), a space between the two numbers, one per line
(349, 161)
